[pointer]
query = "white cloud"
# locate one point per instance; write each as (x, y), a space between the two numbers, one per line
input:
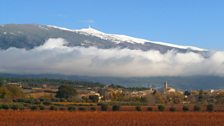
(55, 57)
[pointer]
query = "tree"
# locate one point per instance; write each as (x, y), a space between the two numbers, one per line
(200, 95)
(94, 98)
(2, 82)
(66, 91)
(159, 98)
(15, 91)
(145, 99)
(4, 93)
(187, 93)
(10, 92)
(220, 98)
(175, 98)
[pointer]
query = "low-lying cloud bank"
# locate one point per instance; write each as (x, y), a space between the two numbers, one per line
(55, 57)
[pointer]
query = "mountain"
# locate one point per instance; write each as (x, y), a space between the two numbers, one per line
(114, 58)
(29, 36)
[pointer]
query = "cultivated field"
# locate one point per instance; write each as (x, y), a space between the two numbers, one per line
(65, 118)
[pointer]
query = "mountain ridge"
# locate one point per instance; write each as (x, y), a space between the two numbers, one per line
(121, 37)
(29, 36)
(180, 82)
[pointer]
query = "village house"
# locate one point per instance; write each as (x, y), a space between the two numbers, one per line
(18, 84)
(92, 95)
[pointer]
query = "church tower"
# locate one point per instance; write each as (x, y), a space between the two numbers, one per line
(165, 86)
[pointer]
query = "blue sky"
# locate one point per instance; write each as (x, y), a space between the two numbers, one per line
(185, 22)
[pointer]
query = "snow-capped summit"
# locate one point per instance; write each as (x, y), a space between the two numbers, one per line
(125, 38)
(93, 32)
(90, 30)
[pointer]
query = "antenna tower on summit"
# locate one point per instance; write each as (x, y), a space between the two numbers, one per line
(90, 27)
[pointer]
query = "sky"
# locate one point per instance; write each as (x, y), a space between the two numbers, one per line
(185, 22)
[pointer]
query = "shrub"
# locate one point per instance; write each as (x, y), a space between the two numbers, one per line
(55, 99)
(197, 108)
(0, 106)
(149, 109)
(25, 104)
(21, 107)
(93, 109)
(30, 101)
(42, 107)
(62, 108)
(82, 109)
(185, 108)
(36, 101)
(15, 107)
(71, 108)
(161, 108)
(172, 109)
(19, 100)
(60, 105)
(33, 107)
(47, 103)
(210, 108)
(116, 107)
(69, 100)
(53, 107)
(63, 100)
(104, 107)
(41, 99)
(138, 108)
(4, 106)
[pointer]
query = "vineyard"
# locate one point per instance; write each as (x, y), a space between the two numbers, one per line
(65, 118)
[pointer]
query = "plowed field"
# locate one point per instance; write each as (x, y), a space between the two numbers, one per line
(65, 118)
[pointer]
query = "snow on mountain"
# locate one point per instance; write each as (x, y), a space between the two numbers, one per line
(61, 28)
(123, 38)
(179, 46)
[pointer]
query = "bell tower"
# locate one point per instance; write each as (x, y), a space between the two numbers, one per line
(165, 86)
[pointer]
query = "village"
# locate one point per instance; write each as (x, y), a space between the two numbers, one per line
(120, 95)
